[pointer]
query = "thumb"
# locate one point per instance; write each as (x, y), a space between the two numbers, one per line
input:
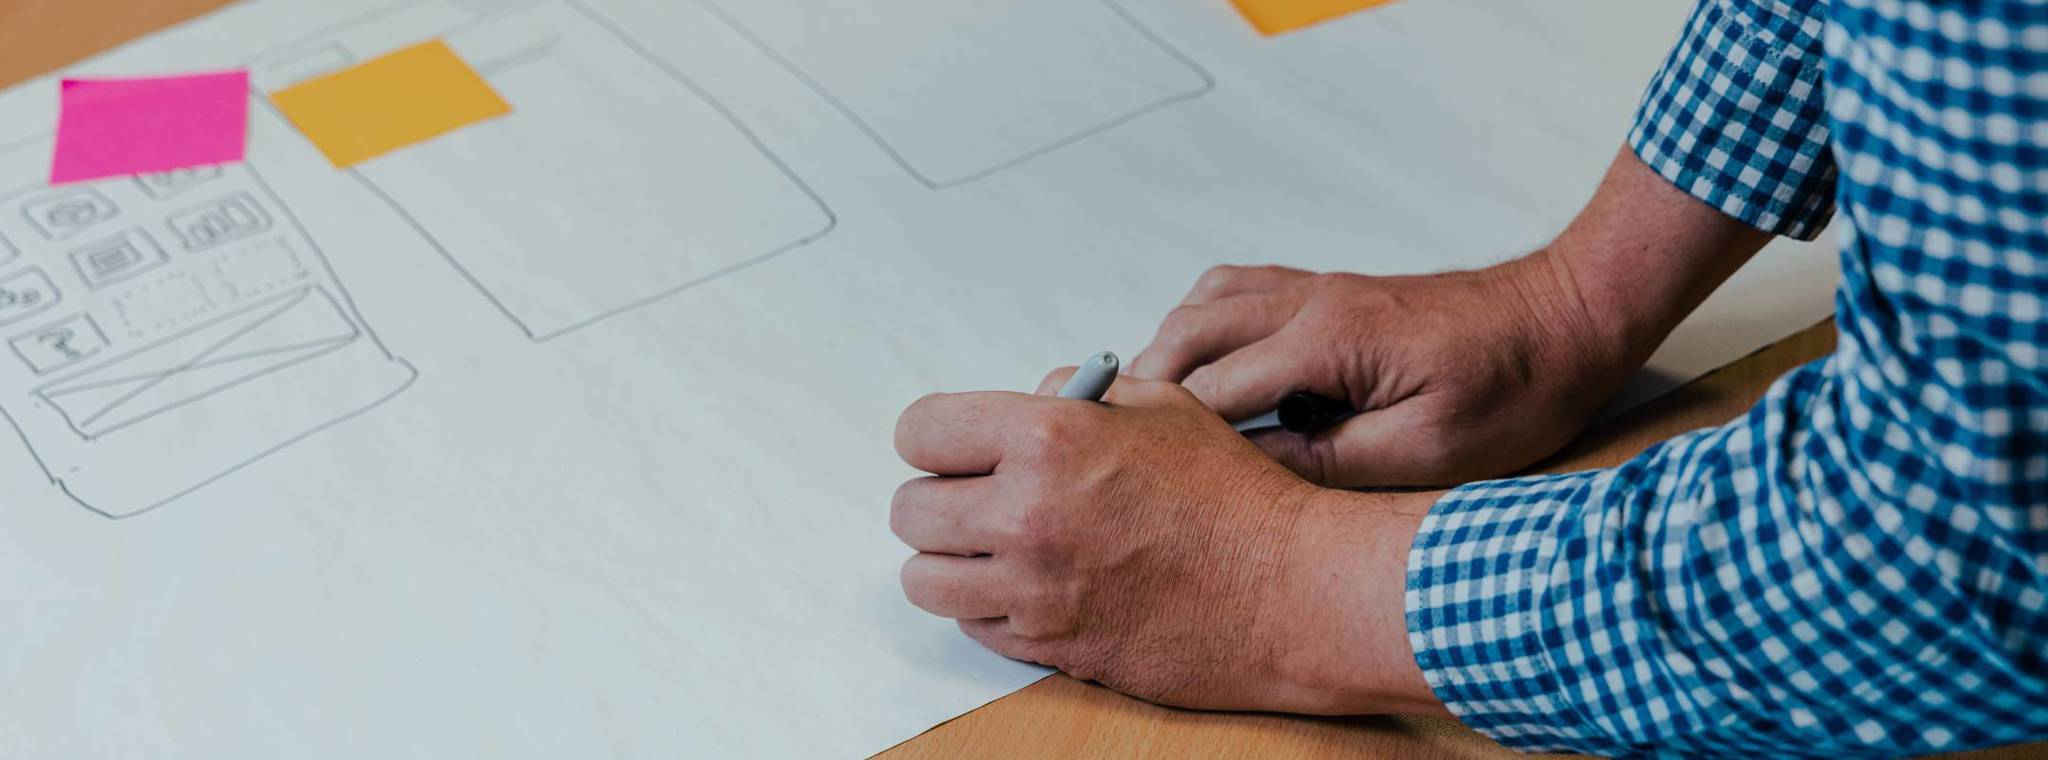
(1054, 380)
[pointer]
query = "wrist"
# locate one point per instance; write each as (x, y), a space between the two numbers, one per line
(1567, 338)
(1636, 262)
(1344, 649)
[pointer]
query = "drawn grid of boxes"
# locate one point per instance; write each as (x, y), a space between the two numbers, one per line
(165, 330)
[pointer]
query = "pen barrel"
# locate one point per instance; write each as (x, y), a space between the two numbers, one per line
(1093, 379)
(1305, 412)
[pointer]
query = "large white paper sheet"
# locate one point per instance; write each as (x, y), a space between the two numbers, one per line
(567, 434)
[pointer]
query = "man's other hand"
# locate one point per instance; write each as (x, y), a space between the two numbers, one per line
(1460, 376)
(1464, 375)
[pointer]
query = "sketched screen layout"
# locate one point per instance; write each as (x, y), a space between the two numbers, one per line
(958, 91)
(165, 330)
(586, 201)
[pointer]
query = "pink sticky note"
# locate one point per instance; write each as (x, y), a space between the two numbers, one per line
(118, 127)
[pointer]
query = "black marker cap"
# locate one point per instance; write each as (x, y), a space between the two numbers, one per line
(1305, 412)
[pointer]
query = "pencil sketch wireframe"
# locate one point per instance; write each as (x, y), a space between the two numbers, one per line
(200, 332)
(956, 92)
(587, 200)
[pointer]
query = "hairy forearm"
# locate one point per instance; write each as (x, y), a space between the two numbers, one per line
(1348, 651)
(1637, 260)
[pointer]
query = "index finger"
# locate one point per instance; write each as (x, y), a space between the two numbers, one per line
(960, 434)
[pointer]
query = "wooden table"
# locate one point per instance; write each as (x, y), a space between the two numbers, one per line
(1061, 717)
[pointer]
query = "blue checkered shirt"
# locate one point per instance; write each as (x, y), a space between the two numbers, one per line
(1859, 565)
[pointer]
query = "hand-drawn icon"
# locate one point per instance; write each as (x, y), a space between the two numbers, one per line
(7, 251)
(161, 185)
(60, 215)
(272, 335)
(237, 216)
(143, 391)
(115, 259)
(26, 294)
(60, 345)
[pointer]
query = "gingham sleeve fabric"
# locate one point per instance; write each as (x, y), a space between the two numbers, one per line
(1858, 567)
(1734, 115)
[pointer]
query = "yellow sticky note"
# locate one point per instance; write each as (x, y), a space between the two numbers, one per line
(1272, 17)
(389, 102)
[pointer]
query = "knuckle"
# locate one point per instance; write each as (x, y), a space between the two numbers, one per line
(1055, 427)
(912, 579)
(1217, 278)
(1042, 624)
(1202, 382)
(1038, 529)
(910, 418)
(1180, 325)
(900, 506)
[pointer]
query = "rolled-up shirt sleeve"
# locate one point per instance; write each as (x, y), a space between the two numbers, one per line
(1858, 566)
(1735, 115)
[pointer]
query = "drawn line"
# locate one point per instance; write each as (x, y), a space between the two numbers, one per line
(44, 284)
(412, 376)
(61, 234)
(223, 388)
(435, 243)
(255, 60)
(14, 344)
(896, 155)
(515, 59)
(732, 119)
(293, 300)
(208, 364)
(348, 301)
(335, 295)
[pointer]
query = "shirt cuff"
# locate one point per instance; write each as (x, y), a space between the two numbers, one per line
(1477, 575)
(1735, 117)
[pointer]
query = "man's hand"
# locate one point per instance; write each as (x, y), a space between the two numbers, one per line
(1144, 544)
(1463, 375)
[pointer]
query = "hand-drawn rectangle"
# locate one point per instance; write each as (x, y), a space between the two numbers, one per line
(56, 346)
(260, 268)
(26, 294)
(284, 331)
(956, 91)
(62, 214)
(115, 259)
(617, 198)
(231, 218)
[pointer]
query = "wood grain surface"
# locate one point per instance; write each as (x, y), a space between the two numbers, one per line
(1061, 717)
